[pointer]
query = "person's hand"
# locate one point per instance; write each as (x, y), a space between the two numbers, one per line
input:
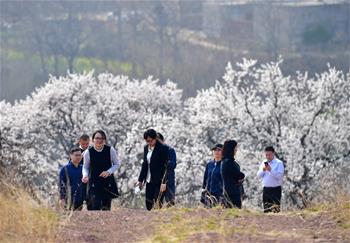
(268, 168)
(264, 168)
(105, 174)
(62, 203)
(162, 187)
(140, 184)
(85, 179)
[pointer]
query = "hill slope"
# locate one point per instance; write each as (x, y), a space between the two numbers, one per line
(201, 225)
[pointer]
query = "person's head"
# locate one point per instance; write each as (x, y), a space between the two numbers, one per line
(160, 137)
(230, 149)
(217, 151)
(99, 138)
(269, 153)
(84, 141)
(150, 137)
(75, 155)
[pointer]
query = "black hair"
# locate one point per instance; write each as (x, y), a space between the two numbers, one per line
(160, 136)
(150, 133)
(103, 134)
(84, 137)
(269, 149)
(74, 149)
(229, 147)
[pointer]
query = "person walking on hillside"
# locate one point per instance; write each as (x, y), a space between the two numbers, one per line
(154, 169)
(72, 193)
(100, 163)
(169, 194)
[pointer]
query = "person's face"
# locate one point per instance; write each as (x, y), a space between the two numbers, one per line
(84, 144)
(235, 150)
(76, 157)
(99, 140)
(269, 155)
(151, 141)
(217, 153)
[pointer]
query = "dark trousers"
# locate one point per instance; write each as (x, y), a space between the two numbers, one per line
(169, 194)
(75, 206)
(233, 201)
(99, 199)
(272, 199)
(153, 196)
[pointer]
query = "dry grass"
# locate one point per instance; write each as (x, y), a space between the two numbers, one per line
(24, 220)
(186, 222)
(339, 208)
(198, 224)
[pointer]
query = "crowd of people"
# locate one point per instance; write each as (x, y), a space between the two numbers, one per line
(223, 179)
(89, 175)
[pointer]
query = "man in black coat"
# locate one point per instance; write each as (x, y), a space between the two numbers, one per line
(154, 169)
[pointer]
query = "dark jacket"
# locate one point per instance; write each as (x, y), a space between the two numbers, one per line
(212, 181)
(171, 165)
(71, 183)
(231, 174)
(158, 164)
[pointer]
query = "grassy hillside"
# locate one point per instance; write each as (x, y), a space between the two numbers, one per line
(23, 219)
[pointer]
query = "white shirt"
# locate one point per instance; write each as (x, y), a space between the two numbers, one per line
(274, 177)
(114, 159)
(149, 155)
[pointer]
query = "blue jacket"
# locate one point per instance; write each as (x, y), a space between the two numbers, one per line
(171, 165)
(212, 178)
(77, 188)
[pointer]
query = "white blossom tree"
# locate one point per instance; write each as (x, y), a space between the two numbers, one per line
(306, 119)
(37, 133)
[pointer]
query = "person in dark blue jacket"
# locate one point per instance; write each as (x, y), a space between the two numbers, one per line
(71, 189)
(169, 194)
(212, 182)
(232, 176)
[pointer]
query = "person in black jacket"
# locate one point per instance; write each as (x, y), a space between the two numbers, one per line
(154, 169)
(232, 176)
(169, 194)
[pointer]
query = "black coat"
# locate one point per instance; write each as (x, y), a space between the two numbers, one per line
(231, 174)
(158, 164)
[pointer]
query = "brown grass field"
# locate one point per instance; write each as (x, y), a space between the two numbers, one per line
(25, 220)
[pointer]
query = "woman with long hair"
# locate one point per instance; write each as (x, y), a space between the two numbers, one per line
(231, 175)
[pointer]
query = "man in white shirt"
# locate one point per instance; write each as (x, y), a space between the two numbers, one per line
(271, 172)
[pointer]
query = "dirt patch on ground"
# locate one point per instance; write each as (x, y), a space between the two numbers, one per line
(202, 225)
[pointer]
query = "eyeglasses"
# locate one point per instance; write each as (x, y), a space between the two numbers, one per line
(99, 138)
